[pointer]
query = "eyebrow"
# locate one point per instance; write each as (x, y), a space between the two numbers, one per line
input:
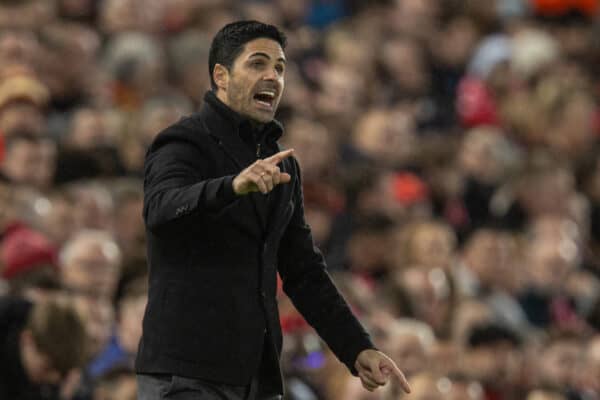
(260, 53)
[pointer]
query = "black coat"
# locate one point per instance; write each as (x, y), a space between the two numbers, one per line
(214, 256)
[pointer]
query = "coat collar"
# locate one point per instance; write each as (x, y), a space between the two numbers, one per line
(227, 127)
(224, 117)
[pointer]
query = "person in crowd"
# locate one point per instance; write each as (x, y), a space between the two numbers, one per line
(40, 345)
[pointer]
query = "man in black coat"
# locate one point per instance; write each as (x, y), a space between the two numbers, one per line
(224, 213)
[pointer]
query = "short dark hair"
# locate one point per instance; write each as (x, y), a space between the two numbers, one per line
(229, 42)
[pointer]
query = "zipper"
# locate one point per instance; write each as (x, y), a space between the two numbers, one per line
(258, 150)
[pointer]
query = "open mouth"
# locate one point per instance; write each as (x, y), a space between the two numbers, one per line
(265, 99)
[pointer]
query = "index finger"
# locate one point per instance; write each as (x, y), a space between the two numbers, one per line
(277, 158)
(403, 382)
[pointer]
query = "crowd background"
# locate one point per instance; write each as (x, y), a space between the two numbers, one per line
(450, 165)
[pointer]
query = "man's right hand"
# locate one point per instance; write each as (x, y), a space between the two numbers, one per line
(263, 175)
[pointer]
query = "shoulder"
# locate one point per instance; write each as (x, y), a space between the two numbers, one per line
(186, 135)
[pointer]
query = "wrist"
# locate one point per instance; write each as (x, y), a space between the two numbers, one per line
(235, 186)
(228, 188)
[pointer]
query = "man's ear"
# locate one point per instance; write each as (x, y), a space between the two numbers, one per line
(221, 76)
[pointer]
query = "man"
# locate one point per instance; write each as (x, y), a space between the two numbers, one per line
(39, 345)
(90, 267)
(224, 213)
(90, 263)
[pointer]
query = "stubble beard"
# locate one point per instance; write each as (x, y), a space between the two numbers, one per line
(243, 104)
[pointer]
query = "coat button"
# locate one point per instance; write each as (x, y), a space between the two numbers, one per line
(263, 295)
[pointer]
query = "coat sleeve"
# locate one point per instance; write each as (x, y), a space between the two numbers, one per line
(176, 188)
(309, 286)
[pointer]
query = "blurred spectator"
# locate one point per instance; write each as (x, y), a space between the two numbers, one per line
(128, 224)
(468, 315)
(90, 147)
(41, 344)
(488, 270)
(413, 17)
(405, 73)
(590, 383)
(84, 11)
(188, 54)
(427, 243)
(429, 296)
(493, 358)
(53, 215)
(486, 160)
(368, 246)
(22, 101)
(156, 114)
(561, 363)
(487, 75)
(29, 262)
(411, 341)
(25, 14)
(90, 263)
(386, 138)
(314, 147)
(341, 97)
(551, 258)
(345, 47)
(137, 66)
(18, 47)
(22, 160)
(121, 349)
(75, 82)
(94, 205)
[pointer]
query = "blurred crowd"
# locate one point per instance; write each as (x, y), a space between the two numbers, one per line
(451, 178)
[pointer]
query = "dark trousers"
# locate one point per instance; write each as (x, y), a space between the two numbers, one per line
(159, 387)
(266, 384)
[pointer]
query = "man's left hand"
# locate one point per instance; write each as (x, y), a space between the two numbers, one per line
(375, 368)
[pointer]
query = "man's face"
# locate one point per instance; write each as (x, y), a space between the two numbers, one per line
(255, 81)
(22, 162)
(90, 271)
(560, 363)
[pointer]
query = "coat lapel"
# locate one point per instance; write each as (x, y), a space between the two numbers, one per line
(233, 146)
(223, 126)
